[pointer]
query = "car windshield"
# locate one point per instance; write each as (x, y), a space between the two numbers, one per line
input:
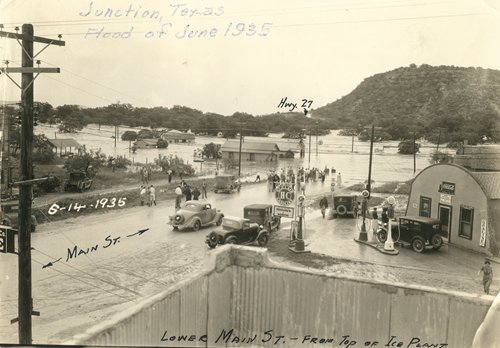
(230, 224)
(192, 207)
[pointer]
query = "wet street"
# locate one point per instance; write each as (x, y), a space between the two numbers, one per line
(114, 265)
(109, 270)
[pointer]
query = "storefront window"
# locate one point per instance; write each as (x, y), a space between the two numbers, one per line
(466, 220)
(425, 206)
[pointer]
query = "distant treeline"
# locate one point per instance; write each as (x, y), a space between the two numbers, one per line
(72, 118)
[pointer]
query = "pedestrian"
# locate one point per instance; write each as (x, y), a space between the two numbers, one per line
(142, 194)
(487, 276)
(178, 197)
(258, 177)
(113, 164)
(385, 215)
(196, 193)
(152, 196)
(187, 192)
(169, 172)
(204, 189)
(323, 175)
(375, 219)
(323, 204)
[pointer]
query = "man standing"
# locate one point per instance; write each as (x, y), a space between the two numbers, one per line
(142, 194)
(169, 172)
(204, 189)
(323, 204)
(487, 276)
(178, 197)
(258, 177)
(196, 193)
(152, 196)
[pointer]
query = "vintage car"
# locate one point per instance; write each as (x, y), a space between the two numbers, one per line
(236, 230)
(195, 214)
(344, 206)
(262, 214)
(78, 181)
(226, 184)
(416, 231)
(9, 215)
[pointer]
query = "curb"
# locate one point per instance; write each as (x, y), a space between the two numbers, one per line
(378, 247)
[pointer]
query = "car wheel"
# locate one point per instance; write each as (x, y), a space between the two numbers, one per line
(219, 221)
(341, 210)
(418, 245)
(213, 240)
(196, 225)
(263, 239)
(436, 241)
(231, 240)
(382, 236)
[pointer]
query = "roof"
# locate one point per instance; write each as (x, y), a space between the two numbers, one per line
(490, 182)
(176, 134)
(249, 146)
(64, 143)
(257, 206)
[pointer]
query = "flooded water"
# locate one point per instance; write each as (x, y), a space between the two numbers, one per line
(348, 156)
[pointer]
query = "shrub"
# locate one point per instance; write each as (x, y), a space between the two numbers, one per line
(408, 147)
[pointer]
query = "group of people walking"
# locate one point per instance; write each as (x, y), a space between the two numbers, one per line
(148, 195)
(190, 193)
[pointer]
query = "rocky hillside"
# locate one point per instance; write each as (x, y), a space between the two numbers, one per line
(463, 102)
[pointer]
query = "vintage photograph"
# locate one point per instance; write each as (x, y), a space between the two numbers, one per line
(222, 173)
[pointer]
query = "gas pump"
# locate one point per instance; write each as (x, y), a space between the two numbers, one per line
(389, 243)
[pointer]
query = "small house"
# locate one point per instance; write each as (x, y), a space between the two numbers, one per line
(64, 147)
(250, 150)
(176, 136)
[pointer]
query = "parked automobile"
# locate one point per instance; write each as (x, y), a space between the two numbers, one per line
(226, 184)
(9, 215)
(344, 206)
(77, 181)
(262, 214)
(418, 232)
(236, 230)
(196, 214)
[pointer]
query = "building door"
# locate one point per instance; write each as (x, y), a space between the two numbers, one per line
(445, 218)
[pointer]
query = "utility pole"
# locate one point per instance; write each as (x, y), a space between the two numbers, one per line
(25, 301)
(414, 155)
(316, 138)
(309, 161)
(241, 141)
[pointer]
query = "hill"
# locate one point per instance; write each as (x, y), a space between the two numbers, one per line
(463, 102)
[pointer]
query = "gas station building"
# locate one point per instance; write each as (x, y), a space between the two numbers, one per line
(466, 202)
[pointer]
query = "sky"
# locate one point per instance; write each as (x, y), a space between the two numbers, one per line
(251, 53)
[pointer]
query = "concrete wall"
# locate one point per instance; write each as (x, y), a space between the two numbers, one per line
(245, 292)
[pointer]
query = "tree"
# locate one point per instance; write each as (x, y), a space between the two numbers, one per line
(129, 136)
(42, 151)
(211, 150)
(408, 147)
(87, 161)
(161, 144)
(440, 157)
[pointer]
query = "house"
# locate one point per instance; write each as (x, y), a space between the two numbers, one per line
(175, 136)
(479, 157)
(146, 143)
(250, 150)
(466, 202)
(64, 147)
